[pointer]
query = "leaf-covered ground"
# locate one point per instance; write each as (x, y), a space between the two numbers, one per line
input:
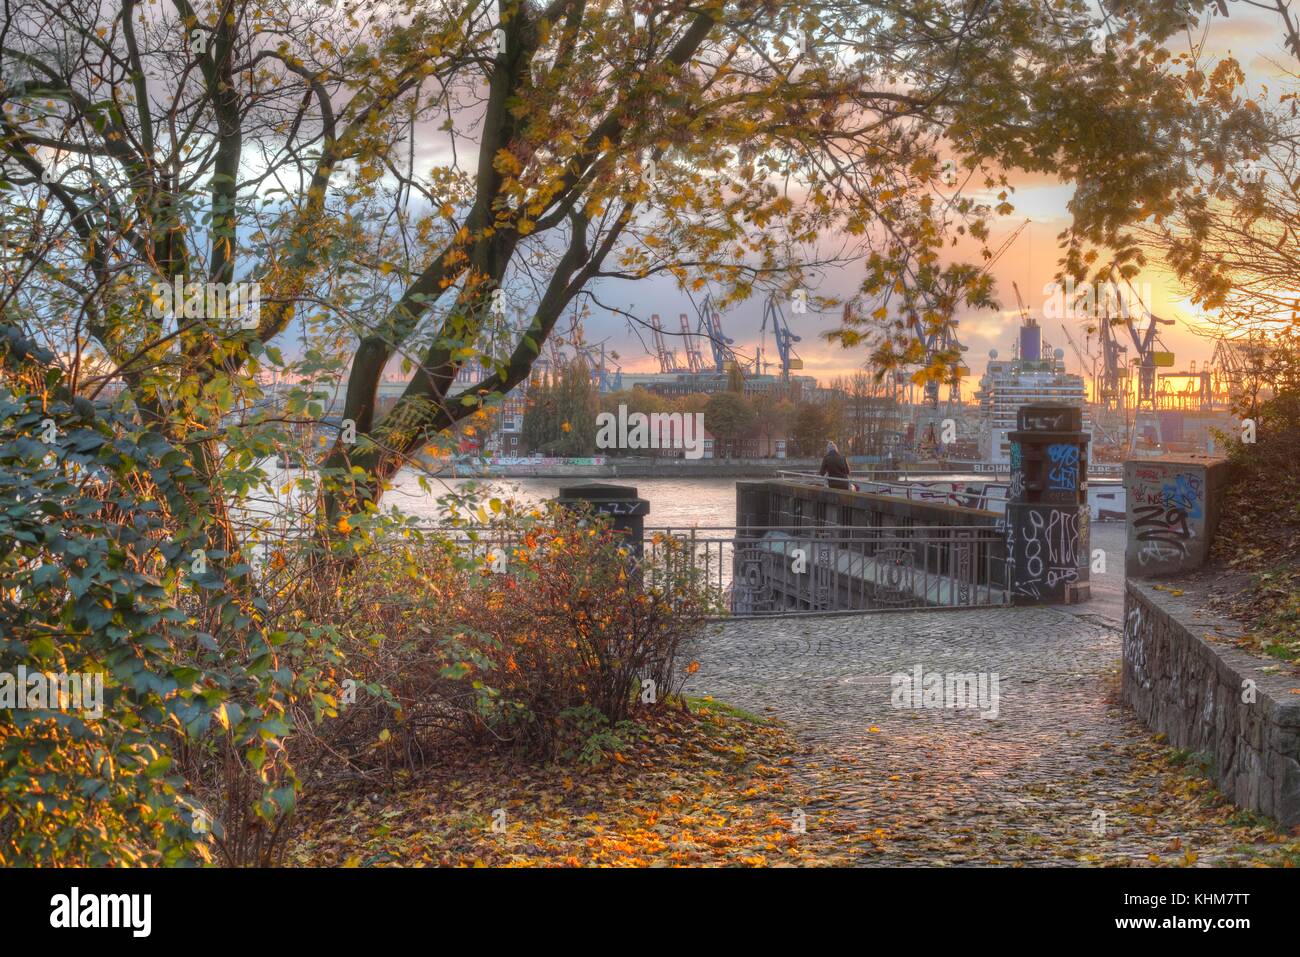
(708, 788)
(1254, 572)
(717, 788)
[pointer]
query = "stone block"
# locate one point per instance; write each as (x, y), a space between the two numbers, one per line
(1173, 503)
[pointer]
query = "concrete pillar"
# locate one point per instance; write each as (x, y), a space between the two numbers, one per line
(1048, 535)
(625, 510)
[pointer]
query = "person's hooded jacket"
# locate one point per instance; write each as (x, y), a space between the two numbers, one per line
(835, 467)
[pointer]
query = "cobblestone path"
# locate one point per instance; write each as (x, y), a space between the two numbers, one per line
(1032, 785)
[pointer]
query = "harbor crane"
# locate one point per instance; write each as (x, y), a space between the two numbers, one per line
(1146, 424)
(1112, 384)
(719, 343)
(667, 357)
(1085, 365)
(693, 358)
(785, 339)
(944, 341)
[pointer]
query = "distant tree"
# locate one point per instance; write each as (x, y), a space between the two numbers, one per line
(540, 417)
(636, 400)
(561, 416)
(577, 410)
(730, 417)
(813, 426)
(695, 402)
(772, 420)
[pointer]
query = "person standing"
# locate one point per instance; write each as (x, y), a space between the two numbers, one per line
(835, 467)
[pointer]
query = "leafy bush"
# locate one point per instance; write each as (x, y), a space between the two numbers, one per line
(235, 680)
(100, 524)
(81, 593)
(551, 655)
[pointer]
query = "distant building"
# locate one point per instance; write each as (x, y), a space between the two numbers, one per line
(669, 443)
(689, 383)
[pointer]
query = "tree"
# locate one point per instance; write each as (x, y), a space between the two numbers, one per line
(1229, 234)
(254, 141)
(560, 418)
(813, 427)
(869, 412)
(729, 417)
(772, 421)
(736, 379)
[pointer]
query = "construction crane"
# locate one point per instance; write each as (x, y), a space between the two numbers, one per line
(1148, 357)
(693, 358)
(785, 339)
(1112, 384)
(719, 343)
(1085, 364)
(598, 365)
(1235, 370)
(1146, 424)
(667, 358)
(944, 340)
(940, 341)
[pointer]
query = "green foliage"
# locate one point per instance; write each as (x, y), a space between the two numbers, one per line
(1259, 530)
(113, 565)
(560, 418)
(89, 575)
(598, 740)
(729, 416)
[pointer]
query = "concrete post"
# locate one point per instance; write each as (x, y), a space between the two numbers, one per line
(1048, 535)
(620, 503)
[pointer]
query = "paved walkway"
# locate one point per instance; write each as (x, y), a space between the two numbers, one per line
(942, 785)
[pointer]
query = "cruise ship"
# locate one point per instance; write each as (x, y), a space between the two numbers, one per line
(1028, 377)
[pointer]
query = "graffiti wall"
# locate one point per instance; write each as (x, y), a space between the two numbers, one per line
(1171, 511)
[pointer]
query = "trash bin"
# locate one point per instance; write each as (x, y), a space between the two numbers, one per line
(1047, 506)
(625, 510)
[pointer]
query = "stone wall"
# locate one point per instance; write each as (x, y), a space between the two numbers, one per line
(798, 504)
(1173, 504)
(1215, 699)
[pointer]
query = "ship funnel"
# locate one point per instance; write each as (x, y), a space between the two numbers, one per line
(1031, 341)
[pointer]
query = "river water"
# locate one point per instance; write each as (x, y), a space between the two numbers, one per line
(673, 501)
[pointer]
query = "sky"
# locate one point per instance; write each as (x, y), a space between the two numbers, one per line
(1251, 36)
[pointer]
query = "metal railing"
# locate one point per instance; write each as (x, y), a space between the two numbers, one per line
(802, 570)
(783, 570)
(975, 493)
